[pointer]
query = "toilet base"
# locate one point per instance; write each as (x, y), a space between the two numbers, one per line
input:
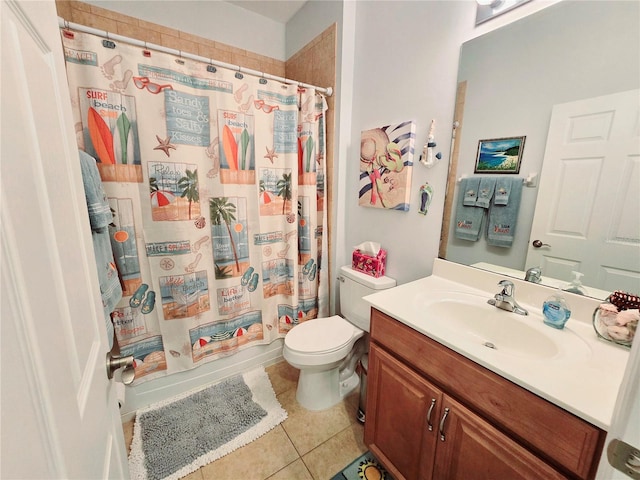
(319, 390)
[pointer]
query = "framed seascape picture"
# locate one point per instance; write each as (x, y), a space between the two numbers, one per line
(499, 155)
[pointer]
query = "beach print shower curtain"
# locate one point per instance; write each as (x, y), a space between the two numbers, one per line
(216, 184)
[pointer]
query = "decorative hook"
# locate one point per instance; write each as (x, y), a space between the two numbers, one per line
(427, 157)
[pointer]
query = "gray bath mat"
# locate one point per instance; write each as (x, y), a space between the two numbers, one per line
(174, 438)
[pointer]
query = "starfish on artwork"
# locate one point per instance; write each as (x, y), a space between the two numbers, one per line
(164, 145)
(271, 154)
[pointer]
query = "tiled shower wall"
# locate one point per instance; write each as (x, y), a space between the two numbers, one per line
(315, 63)
(113, 22)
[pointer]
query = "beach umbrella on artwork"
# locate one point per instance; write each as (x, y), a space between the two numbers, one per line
(266, 198)
(162, 198)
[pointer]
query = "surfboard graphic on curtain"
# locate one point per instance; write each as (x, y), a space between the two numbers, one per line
(110, 133)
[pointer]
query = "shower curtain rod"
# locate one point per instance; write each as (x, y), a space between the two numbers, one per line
(159, 48)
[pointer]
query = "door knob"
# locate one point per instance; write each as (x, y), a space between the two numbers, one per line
(538, 244)
(624, 457)
(126, 363)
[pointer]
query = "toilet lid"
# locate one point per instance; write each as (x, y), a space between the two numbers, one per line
(322, 335)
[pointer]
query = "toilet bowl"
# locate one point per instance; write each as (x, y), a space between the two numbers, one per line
(318, 348)
(326, 350)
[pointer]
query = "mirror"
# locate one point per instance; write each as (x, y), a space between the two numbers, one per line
(508, 82)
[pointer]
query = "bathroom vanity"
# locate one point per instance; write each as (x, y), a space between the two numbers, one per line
(443, 404)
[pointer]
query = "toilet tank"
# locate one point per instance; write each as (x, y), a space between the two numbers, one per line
(353, 286)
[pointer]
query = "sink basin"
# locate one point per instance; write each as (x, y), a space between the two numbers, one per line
(467, 317)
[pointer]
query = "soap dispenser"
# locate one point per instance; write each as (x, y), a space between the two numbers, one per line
(555, 310)
(575, 286)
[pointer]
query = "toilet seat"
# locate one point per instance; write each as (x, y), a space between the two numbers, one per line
(321, 336)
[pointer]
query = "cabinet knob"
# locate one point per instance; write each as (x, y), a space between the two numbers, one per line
(429, 413)
(444, 417)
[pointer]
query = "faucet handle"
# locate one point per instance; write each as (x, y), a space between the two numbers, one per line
(533, 274)
(508, 287)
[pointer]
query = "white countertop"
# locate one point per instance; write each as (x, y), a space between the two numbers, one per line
(583, 380)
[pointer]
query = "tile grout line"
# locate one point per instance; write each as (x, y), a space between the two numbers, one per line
(292, 444)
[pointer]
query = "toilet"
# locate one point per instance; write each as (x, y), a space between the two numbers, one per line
(326, 350)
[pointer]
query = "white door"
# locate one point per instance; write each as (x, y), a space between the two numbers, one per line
(625, 426)
(60, 416)
(593, 149)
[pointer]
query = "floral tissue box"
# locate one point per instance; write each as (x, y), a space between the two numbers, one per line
(374, 266)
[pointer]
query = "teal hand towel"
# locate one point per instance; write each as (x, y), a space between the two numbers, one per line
(485, 191)
(469, 188)
(100, 217)
(501, 225)
(468, 218)
(97, 203)
(502, 190)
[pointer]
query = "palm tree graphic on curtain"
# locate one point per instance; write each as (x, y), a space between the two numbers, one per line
(284, 189)
(189, 187)
(221, 210)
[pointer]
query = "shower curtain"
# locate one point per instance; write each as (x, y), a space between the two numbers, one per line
(216, 184)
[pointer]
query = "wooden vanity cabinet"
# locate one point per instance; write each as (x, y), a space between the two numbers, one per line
(402, 414)
(492, 427)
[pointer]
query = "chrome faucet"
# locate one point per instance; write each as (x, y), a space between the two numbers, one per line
(505, 300)
(534, 275)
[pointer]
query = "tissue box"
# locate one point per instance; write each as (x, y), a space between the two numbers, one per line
(374, 266)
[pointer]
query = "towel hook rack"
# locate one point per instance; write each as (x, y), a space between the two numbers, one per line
(528, 181)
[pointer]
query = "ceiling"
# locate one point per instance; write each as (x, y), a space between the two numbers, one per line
(279, 10)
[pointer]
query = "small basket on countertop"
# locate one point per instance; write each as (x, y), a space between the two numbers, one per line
(616, 319)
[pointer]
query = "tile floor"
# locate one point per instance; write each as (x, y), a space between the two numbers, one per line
(306, 446)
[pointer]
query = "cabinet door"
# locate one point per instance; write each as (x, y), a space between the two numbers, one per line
(474, 450)
(401, 406)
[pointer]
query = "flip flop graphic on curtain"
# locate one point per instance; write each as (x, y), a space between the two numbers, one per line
(101, 137)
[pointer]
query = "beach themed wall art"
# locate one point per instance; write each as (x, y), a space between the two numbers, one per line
(386, 164)
(499, 155)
